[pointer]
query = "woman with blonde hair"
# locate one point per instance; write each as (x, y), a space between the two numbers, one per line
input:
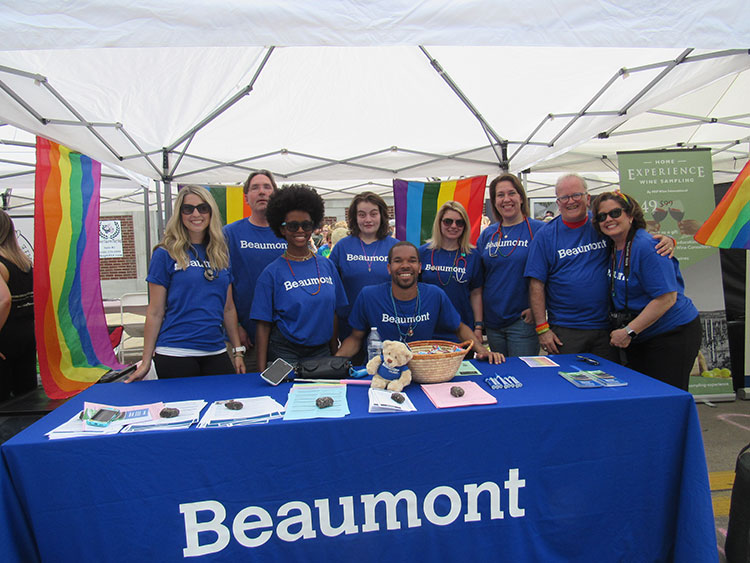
(17, 342)
(448, 261)
(190, 295)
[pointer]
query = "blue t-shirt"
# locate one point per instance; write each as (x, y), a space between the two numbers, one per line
(251, 249)
(572, 263)
(434, 315)
(194, 315)
(456, 274)
(360, 265)
(283, 296)
(506, 290)
(390, 372)
(650, 276)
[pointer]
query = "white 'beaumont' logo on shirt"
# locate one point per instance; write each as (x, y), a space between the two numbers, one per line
(361, 258)
(563, 252)
(308, 282)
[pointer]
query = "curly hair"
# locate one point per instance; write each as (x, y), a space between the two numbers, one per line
(375, 199)
(294, 197)
(176, 240)
(464, 242)
(629, 205)
(517, 185)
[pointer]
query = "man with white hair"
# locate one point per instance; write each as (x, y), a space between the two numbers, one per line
(568, 280)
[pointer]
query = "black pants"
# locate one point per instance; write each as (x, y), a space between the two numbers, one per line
(18, 369)
(585, 341)
(668, 357)
(168, 367)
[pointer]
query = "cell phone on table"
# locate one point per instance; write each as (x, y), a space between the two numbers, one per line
(103, 417)
(277, 371)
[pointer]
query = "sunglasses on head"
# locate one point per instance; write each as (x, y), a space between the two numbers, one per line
(293, 226)
(187, 209)
(614, 213)
(447, 221)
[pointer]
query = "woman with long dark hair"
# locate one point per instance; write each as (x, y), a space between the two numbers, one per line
(17, 342)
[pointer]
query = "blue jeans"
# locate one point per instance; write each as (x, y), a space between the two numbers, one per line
(517, 339)
(280, 347)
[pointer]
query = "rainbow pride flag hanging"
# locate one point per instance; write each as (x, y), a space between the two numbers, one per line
(729, 225)
(417, 203)
(71, 330)
(231, 202)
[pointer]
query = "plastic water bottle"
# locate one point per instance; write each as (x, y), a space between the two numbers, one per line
(374, 344)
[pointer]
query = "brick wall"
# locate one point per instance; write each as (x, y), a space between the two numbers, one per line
(121, 268)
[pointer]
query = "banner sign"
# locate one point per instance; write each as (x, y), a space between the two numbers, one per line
(675, 189)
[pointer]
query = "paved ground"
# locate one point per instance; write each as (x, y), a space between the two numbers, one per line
(726, 430)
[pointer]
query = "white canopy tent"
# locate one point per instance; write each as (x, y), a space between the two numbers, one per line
(345, 96)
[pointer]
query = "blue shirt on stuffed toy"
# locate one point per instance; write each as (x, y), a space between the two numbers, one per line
(387, 372)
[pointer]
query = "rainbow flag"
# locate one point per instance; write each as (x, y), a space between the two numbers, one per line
(729, 225)
(231, 202)
(417, 203)
(71, 330)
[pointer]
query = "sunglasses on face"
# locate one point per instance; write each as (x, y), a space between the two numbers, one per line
(293, 226)
(203, 208)
(447, 221)
(614, 213)
(575, 197)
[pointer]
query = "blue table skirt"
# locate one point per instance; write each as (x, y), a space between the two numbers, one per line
(570, 474)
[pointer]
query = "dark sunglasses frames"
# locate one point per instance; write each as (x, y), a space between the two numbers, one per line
(447, 221)
(293, 226)
(203, 208)
(614, 213)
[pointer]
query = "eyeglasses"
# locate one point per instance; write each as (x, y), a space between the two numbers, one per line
(447, 221)
(293, 226)
(614, 213)
(203, 208)
(575, 197)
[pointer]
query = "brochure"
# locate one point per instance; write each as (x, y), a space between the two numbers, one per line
(592, 378)
(381, 400)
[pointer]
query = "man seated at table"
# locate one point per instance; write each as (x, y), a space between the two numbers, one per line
(406, 310)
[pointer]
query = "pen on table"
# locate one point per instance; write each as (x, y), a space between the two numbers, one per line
(333, 381)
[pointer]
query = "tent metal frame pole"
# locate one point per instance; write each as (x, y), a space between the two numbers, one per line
(482, 121)
(147, 221)
(167, 183)
(159, 212)
(226, 105)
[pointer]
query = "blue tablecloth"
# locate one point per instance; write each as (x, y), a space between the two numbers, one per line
(550, 473)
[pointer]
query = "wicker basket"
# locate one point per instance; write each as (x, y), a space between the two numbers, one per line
(437, 367)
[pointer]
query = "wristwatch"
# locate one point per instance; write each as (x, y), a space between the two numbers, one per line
(630, 331)
(239, 351)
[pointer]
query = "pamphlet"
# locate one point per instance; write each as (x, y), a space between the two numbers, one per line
(302, 403)
(381, 400)
(441, 396)
(467, 368)
(241, 412)
(592, 378)
(539, 361)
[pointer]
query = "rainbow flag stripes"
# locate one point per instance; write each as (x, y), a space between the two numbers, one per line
(231, 202)
(73, 344)
(417, 203)
(729, 225)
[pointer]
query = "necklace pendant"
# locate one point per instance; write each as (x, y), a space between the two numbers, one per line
(410, 332)
(369, 267)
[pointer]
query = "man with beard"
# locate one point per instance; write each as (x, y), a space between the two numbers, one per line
(406, 310)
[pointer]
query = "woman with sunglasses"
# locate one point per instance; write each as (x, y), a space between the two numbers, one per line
(656, 325)
(298, 294)
(190, 295)
(361, 258)
(504, 248)
(449, 263)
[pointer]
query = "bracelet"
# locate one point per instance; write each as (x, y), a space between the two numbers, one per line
(478, 324)
(239, 355)
(542, 328)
